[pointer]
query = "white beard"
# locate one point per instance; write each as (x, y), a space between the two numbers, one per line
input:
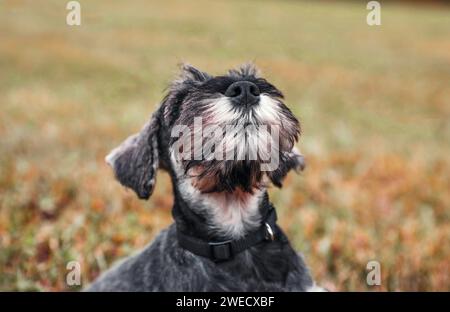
(245, 134)
(230, 214)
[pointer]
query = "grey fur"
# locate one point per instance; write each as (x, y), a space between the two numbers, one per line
(164, 265)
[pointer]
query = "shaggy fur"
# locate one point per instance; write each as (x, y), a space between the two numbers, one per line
(215, 200)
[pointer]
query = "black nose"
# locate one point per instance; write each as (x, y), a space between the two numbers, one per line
(243, 92)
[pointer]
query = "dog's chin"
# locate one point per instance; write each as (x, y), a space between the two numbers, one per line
(227, 177)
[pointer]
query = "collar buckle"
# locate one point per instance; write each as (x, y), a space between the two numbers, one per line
(221, 251)
(269, 232)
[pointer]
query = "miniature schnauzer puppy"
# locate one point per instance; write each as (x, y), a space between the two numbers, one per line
(238, 138)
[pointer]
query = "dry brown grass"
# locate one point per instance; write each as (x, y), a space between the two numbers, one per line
(374, 103)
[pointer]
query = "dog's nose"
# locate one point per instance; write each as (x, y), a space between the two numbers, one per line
(243, 92)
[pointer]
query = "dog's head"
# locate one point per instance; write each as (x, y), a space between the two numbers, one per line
(224, 133)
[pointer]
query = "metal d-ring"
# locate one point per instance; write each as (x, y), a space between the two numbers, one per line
(271, 236)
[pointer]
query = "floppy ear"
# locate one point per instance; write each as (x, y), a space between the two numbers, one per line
(288, 161)
(135, 161)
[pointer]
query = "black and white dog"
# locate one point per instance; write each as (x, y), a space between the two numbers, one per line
(225, 236)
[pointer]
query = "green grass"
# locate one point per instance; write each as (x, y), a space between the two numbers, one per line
(373, 101)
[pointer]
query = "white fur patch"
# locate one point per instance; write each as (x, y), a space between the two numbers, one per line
(268, 110)
(231, 216)
(223, 111)
(246, 134)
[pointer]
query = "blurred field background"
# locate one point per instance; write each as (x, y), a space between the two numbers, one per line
(374, 103)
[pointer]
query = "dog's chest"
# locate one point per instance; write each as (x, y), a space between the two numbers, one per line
(256, 269)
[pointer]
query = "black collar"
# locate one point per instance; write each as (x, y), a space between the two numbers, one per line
(225, 250)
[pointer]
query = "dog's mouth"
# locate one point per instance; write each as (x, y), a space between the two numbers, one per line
(227, 176)
(239, 160)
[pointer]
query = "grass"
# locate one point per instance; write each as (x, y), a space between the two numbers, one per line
(374, 103)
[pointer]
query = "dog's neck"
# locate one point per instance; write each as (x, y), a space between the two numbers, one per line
(220, 215)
